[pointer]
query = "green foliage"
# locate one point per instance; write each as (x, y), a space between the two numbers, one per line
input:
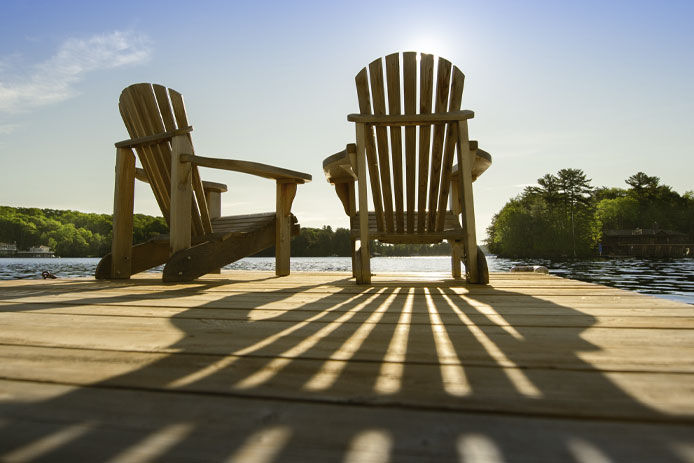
(564, 216)
(69, 233)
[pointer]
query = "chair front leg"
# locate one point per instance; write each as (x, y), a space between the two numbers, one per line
(286, 190)
(362, 254)
(468, 213)
(123, 199)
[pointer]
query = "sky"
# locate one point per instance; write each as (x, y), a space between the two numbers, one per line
(602, 86)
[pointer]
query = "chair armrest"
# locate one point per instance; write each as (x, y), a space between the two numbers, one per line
(153, 139)
(248, 167)
(411, 119)
(141, 175)
(480, 164)
(338, 167)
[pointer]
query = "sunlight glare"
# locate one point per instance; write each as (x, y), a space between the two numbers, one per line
(331, 369)
(262, 446)
(288, 356)
(478, 447)
(514, 374)
(372, 445)
(454, 380)
(389, 379)
(48, 443)
(155, 444)
(234, 357)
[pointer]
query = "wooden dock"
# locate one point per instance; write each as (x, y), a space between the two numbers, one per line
(247, 367)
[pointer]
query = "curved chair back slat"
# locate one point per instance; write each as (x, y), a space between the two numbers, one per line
(151, 109)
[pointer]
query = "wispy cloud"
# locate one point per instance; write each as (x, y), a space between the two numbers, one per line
(6, 129)
(54, 80)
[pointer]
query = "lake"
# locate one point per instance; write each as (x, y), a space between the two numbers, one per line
(669, 278)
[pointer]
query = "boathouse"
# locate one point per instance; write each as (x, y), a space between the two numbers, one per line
(36, 251)
(646, 242)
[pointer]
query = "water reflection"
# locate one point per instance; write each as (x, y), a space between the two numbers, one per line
(670, 278)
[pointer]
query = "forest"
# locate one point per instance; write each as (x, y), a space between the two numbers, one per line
(79, 234)
(564, 216)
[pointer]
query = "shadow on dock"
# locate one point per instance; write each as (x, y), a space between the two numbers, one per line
(390, 372)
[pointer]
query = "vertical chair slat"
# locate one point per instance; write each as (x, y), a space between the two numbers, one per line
(199, 209)
(457, 84)
(409, 64)
(426, 77)
(393, 79)
(160, 154)
(162, 151)
(443, 79)
(164, 107)
(370, 147)
(144, 159)
(378, 99)
(160, 186)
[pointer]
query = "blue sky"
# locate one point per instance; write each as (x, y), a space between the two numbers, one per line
(606, 87)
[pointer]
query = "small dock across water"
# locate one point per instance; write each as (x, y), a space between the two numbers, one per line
(244, 366)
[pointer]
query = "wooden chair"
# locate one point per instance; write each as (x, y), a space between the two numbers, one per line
(200, 240)
(410, 185)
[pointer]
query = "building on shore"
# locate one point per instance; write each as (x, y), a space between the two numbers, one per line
(647, 242)
(8, 250)
(36, 251)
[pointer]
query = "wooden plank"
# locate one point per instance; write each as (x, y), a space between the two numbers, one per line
(249, 167)
(364, 97)
(410, 120)
(393, 79)
(426, 77)
(362, 254)
(123, 201)
(160, 186)
(409, 63)
(540, 392)
(379, 109)
(584, 348)
(285, 197)
(443, 82)
(468, 216)
(211, 255)
(181, 196)
(286, 311)
(185, 426)
(457, 84)
(199, 214)
(143, 257)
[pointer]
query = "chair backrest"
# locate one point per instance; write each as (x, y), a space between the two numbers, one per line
(151, 109)
(411, 80)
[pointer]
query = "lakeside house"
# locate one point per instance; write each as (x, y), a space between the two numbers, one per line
(10, 250)
(646, 242)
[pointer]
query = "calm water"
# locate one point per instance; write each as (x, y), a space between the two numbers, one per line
(673, 278)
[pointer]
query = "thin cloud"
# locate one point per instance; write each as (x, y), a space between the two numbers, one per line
(6, 129)
(53, 80)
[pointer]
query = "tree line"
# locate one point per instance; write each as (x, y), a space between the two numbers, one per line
(79, 234)
(564, 216)
(70, 233)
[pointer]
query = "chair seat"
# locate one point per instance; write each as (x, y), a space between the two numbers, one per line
(451, 231)
(245, 223)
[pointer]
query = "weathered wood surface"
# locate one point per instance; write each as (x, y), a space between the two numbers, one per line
(311, 367)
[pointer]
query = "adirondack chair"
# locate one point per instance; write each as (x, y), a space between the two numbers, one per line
(416, 210)
(200, 241)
